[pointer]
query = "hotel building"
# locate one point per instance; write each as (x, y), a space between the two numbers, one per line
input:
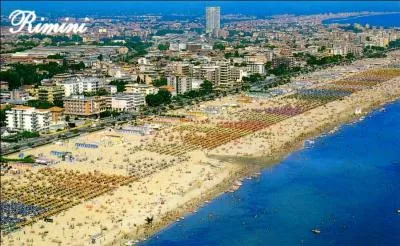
(23, 118)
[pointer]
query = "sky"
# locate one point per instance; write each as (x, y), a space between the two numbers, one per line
(192, 8)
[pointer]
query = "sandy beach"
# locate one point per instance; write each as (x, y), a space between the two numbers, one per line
(176, 169)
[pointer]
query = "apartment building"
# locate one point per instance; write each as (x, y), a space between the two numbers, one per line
(84, 106)
(23, 118)
(256, 67)
(140, 88)
(224, 75)
(19, 94)
(125, 102)
(79, 85)
(51, 93)
(180, 84)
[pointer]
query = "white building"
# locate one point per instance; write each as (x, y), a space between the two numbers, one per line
(143, 61)
(141, 88)
(78, 85)
(256, 67)
(180, 84)
(127, 102)
(24, 118)
(212, 19)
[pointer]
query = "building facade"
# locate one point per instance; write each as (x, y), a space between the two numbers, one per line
(79, 85)
(84, 106)
(140, 88)
(51, 93)
(212, 19)
(23, 118)
(125, 102)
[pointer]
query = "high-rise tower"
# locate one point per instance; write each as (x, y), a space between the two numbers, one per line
(212, 19)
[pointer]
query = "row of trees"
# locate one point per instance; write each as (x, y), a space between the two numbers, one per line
(164, 97)
(54, 40)
(135, 45)
(41, 104)
(20, 135)
(167, 31)
(206, 88)
(31, 74)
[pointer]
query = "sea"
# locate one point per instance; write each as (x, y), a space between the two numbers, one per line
(384, 20)
(193, 8)
(346, 184)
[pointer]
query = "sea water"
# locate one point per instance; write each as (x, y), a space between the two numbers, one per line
(346, 184)
(385, 20)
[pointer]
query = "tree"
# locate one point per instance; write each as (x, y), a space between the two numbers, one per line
(218, 46)
(166, 31)
(3, 114)
(149, 220)
(56, 56)
(109, 113)
(59, 103)
(120, 85)
(67, 118)
(79, 66)
(162, 97)
(153, 100)
(166, 96)
(100, 57)
(350, 56)
(206, 87)
(41, 104)
(163, 46)
(160, 82)
(101, 92)
(268, 65)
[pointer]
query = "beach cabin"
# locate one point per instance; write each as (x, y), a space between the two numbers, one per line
(95, 237)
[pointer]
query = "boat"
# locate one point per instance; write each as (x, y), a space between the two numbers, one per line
(316, 231)
(398, 211)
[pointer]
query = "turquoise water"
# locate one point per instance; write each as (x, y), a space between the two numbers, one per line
(389, 20)
(346, 184)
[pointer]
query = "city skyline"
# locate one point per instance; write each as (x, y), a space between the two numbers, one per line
(196, 8)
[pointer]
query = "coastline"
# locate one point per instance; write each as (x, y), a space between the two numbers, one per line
(331, 21)
(249, 169)
(238, 160)
(362, 15)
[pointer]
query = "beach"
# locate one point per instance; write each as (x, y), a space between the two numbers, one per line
(171, 172)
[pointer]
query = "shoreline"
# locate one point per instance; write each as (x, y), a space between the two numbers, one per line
(332, 20)
(269, 161)
(174, 191)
